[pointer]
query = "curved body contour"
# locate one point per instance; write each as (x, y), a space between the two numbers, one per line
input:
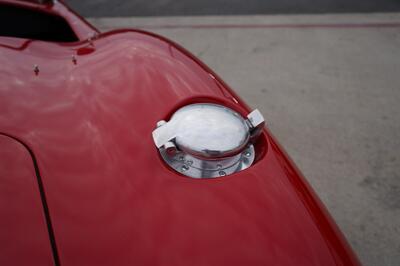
(108, 197)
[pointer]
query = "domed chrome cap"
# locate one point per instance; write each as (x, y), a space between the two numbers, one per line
(207, 140)
(210, 131)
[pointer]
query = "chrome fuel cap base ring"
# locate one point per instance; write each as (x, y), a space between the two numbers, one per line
(194, 167)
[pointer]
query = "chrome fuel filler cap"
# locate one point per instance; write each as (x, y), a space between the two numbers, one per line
(206, 140)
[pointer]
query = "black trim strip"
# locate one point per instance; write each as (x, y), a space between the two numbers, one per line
(43, 199)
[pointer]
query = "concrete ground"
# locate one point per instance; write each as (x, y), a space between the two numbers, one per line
(329, 87)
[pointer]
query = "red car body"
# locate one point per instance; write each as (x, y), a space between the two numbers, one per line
(81, 182)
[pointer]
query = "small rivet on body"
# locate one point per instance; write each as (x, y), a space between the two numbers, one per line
(222, 173)
(36, 69)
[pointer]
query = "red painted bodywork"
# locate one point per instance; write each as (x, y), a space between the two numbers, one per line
(111, 199)
(23, 232)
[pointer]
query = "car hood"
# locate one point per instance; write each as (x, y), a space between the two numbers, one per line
(87, 111)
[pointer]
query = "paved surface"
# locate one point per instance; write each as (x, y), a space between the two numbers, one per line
(98, 8)
(331, 96)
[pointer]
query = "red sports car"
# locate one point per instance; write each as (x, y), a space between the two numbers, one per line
(122, 148)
